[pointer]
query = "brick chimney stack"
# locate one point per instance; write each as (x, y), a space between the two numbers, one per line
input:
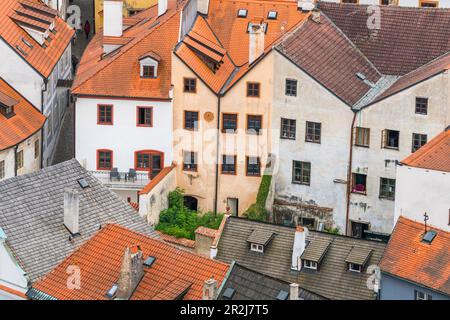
(210, 289)
(293, 294)
(131, 272)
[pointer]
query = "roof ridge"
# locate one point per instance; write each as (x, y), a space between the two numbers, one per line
(413, 223)
(128, 46)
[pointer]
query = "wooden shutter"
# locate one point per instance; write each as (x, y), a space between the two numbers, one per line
(383, 138)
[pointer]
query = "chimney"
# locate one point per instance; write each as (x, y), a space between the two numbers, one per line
(113, 18)
(162, 7)
(72, 210)
(315, 15)
(306, 5)
(210, 289)
(256, 42)
(203, 6)
(299, 246)
(293, 294)
(131, 272)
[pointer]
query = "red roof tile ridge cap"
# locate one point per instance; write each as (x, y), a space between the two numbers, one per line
(426, 149)
(126, 48)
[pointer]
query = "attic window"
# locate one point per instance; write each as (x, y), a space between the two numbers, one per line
(149, 262)
(272, 15)
(27, 43)
(7, 111)
(149, 66)
(310, 264)
(354, 267)
(242, 13)
(282, 295)
(257, 247)
(229, 293)
(111, 294)
(429, 236)
(83, 183)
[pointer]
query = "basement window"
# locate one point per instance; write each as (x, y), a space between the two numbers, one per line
(242, 13)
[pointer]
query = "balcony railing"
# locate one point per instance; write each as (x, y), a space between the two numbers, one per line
(122, 180)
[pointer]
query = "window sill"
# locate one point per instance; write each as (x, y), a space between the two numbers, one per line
(254, 133)
(386, 198)
(229, 131)
(391, 148)
(316, 142)
(104, 124)
(253, 175)
(287, 138)
(362, 146)
(144, 126)
(189, 170)
(301, 183)
(190, 129)
(228, 173)
(363, 193)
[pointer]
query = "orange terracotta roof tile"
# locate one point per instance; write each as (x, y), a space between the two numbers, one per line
(173, 272)
(118, 73)
(434, 155)
(149, 187)
(408, 257)
(34, 14)
(187, 243)
(226, 33)
(26, 121)
(208, 232)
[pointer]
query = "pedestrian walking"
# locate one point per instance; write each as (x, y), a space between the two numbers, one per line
(87, 29)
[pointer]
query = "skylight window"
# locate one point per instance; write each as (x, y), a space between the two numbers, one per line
(242, 13)
(272, 15)
(111, 294)
(83, 183)
(27, 43)
(229, 293)
(429, 236)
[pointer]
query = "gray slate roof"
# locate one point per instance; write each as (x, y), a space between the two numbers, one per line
(31, 215)
(251, 285)
(261, 237)
(332, 280)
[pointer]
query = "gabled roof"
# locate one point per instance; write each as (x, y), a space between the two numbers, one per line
(117, 74)
(26, 121)
(252, 285)
(434, 155)
(34, 14)
(222, 36)
(407, 39)
(332, 280)
(175, 273)
(325, 53)
(409, 258)
(363, 66)
(31, 215)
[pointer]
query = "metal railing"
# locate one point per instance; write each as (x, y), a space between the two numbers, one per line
(122, 180)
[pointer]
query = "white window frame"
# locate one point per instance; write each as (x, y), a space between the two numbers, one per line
(351, 267)
(310, 264)
(148, 62)
(426, 296)
(257, 247)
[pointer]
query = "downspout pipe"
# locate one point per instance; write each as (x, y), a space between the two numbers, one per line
(216, 192)
(349, 173)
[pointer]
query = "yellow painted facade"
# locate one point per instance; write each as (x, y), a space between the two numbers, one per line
(129, 7)
(202, 184)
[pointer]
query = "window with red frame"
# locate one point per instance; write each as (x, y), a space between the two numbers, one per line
(105, 114)
(104, 159)
(151, 161)
(145, 116)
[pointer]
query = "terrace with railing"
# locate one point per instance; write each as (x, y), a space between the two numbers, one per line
(122, 180)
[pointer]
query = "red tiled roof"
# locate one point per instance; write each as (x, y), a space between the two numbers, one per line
(187, 243)
(42, 58)
(326, 54)
(208, 232)
(118, 73)
(225, 39)
(26, 121)
(408, 37)
(149, 187)
(100, 261)
(435, 155)
(407, 257)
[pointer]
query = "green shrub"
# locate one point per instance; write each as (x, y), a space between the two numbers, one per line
(257, 211)
(181, 222)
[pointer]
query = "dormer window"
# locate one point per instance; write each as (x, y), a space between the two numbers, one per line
(242, 13)
(310, 264)
(149, 65)
(259, 240)
(272, 15)
(7, 105)
(7, 111)
(257, 247)
(354, 267)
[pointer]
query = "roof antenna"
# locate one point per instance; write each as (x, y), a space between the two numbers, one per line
(425, 218)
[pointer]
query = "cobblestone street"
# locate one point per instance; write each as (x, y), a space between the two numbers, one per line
(65, 147)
